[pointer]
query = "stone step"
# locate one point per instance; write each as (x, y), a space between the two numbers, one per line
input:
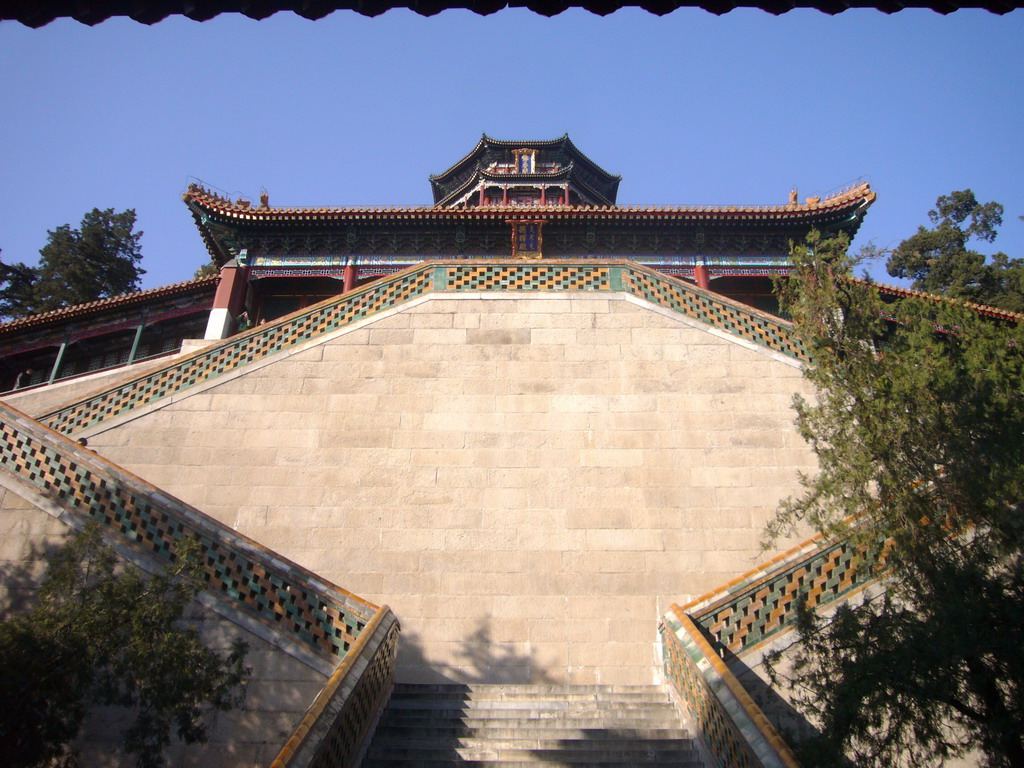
(577, 705)
(543, 730)
(547, 718)
(560, 756)
(625, 697)
(540, 689)
(398, 742)
(457, 762)
(503, 726)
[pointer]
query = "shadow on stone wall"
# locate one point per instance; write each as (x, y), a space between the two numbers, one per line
(791, 724)
(477, 659)
(20, 579)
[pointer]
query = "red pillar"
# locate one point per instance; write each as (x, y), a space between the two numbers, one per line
(504, 195)
(228, 301)
(703, 278)
(566, 201)
(543, 194)
(351, 275)
(231, 289)
(483, 199)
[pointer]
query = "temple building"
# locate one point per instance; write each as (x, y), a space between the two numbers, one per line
(522, 199)
(528, 199)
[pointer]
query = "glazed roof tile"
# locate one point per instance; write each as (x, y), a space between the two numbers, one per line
(523, 144)
(112, 302)
(245, 212)
(983, 309)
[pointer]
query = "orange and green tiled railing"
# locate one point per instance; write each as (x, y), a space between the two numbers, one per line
(735, 732)
(144, 521)
(763, 602)
(429, 277)
(740, 616)
(337, 726)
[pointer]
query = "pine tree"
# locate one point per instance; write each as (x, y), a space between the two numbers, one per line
(97, 260)
(918, 426)
(939, 260)
(17, 296)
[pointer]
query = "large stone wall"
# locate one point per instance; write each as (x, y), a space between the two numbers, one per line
(529, 482)
(279, 690)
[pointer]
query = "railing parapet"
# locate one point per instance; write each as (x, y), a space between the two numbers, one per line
(763, 602)
(337, 727)
(741, 616)
(733, 728)
(146, 523)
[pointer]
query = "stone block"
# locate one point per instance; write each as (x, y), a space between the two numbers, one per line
(593, 353)
(619, 609)
(675, 561)
(440, 336)
(721, 563)
(723, 477)
(410, 583)
(604, 336)
(545, 539)
(607, 540)
(589, 305)
(390, 336)
(602, 561)
(555, 337)
(621, 316)
(569, 630)
(688, 539)
(498, 336)
(440, 607)
(547, 305)
(597, 654)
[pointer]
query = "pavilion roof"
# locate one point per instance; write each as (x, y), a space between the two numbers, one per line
(452, 181)
(100, 306)
(935, 298)
(242, 211)
(218, 217)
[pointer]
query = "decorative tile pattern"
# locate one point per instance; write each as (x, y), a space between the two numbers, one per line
(746, 613)
(356, 712)
(760, 606)
(520, 277)
(724, 740)
(389, 292)
(713, 310)
(247, 348)
(270, 590)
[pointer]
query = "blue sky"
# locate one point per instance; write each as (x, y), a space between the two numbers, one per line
(689, 108)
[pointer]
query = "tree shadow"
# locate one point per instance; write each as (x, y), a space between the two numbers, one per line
(20, 579)
(478, 659)
(785, 718)
(794, 727)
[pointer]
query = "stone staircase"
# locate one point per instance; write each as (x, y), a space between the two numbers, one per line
(505, 726)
